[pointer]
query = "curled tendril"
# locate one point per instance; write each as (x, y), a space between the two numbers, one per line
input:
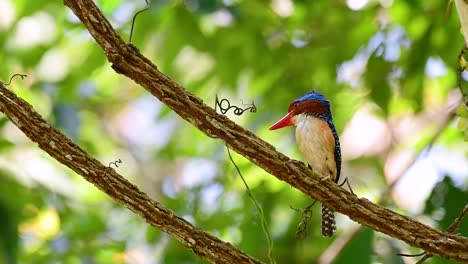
(252, 108)
(114, 163)
(134, 18)
(225, 105)
(22, 76)
(301, 231)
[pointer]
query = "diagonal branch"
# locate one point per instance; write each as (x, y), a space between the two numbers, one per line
(457, 222)
(117, 187)
(127, 60)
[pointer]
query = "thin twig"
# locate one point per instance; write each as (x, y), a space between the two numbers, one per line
(22, 76)
(263, 221)
(411, 255)
(239, 111)
(134, 18)
(427, 256)
(457, 222)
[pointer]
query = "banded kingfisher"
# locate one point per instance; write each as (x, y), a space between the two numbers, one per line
(318, 142)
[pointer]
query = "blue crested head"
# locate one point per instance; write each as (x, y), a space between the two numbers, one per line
(313, 103)
(312, 95)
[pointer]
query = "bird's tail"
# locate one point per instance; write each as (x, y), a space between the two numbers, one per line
(328, 222)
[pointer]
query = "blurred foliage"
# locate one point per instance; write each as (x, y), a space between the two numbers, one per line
(396, 58)
(447, 197)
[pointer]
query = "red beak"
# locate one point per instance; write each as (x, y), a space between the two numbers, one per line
(284, 122)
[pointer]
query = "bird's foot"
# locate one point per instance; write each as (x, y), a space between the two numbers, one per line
(324, 179)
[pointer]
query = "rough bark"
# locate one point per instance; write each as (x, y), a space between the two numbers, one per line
(61, 148)
(127, 60)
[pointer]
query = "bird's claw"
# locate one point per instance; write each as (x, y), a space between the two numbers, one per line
(324, 179)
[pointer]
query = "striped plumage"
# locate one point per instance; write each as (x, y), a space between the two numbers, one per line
(318, 142)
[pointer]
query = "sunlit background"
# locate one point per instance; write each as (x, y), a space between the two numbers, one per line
(388, 68)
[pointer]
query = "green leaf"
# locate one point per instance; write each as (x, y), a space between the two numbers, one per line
(5, 144)
(376, 79)
(462, 111)
(8, 235)
(359, 250)
(109, 6)
(446, 203)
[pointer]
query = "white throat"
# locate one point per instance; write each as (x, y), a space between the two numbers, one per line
(316, 143)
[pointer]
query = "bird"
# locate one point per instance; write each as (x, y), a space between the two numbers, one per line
(317, 141)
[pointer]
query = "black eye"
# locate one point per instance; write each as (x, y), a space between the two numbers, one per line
(295, 105)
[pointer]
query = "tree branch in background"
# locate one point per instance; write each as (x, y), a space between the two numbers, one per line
(61, 148)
